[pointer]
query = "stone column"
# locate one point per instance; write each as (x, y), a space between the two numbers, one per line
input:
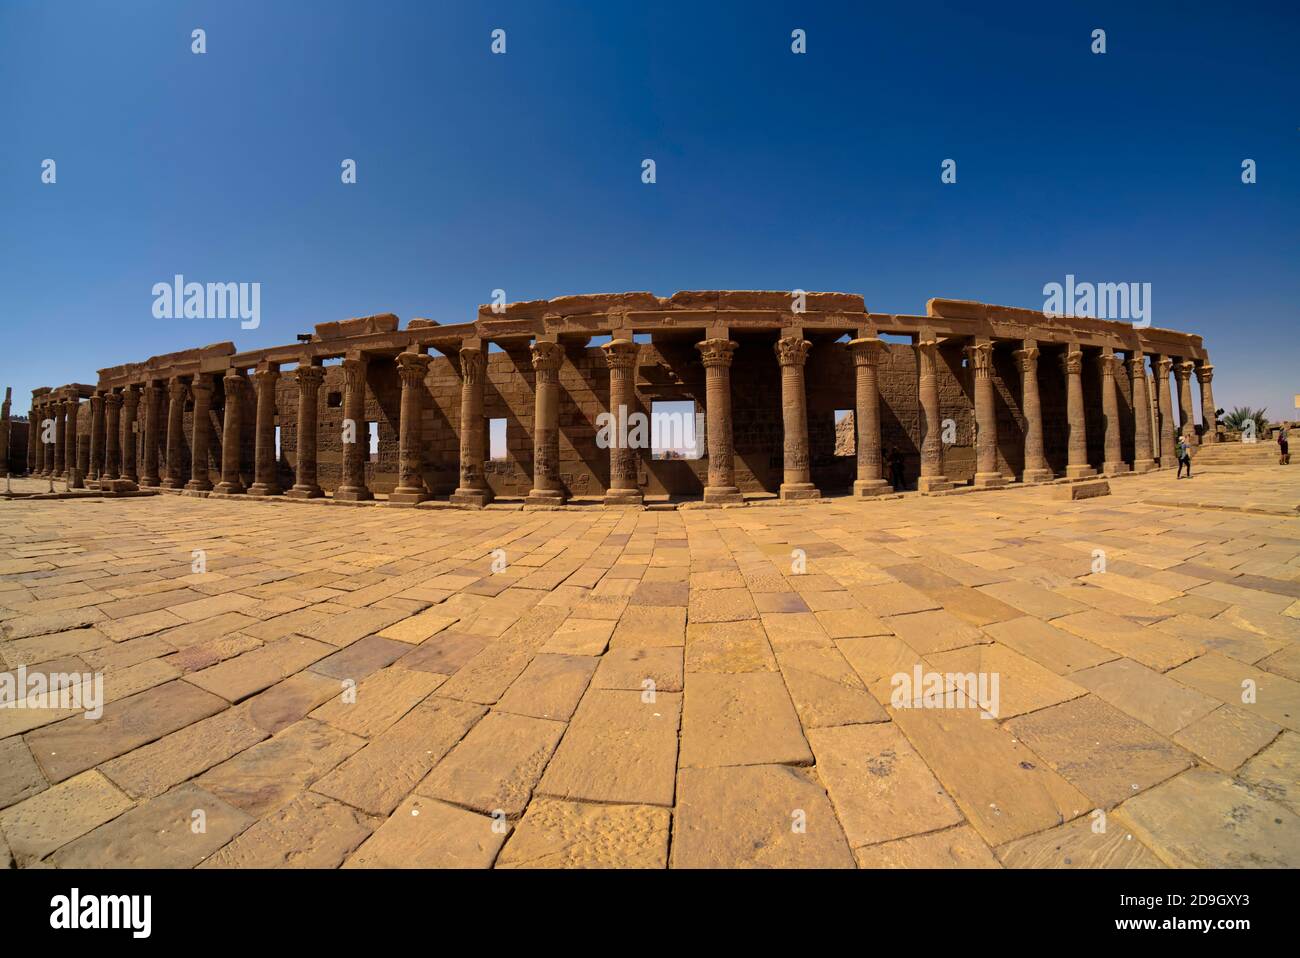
(305, 485)
(1036, 469)
(33, 449)
(74, 475)
(796, 479)
(44, 460)
(547, 489)
(1168, 448)
(60, 437)
(5, 430)
(175, 433)
(620, 356)
(266, 482)
(130, 408)
(1113, 463)
(932, 478)
(412, 368)
(1209, 417)
(1077, 462)
(96, 437)
(355, 453)
(1183, 371)
(716, 355)
(80, 449)
(153, 394)
(867, 353)
(473, 489)
(201, 389)
(1143, 453)
(112, 439)
(987, 474)
(232, 484)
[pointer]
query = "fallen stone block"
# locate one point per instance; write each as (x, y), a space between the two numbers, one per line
(1081, 490)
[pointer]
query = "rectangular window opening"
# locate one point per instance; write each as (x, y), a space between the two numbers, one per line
(497, 439)
(676, 431)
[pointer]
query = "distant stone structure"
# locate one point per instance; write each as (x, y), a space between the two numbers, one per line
(968, 392)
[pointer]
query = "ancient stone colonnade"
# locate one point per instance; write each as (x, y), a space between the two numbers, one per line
(968, 392)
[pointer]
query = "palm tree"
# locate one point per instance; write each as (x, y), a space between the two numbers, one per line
(1236, 420)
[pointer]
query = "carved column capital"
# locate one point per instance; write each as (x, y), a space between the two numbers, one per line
(309, 377)
(1163, 365)
(546, 356)
(201, 387)
(176, 389)
(716, 352)
(412, 368)
(131, 396)
(265, 378)
(113, 400)
(792, 350)
(1183, 370)
(1072, 362)
(472, 364)
(354, 373)
(1028, 358)
(1109, 363)
(621, 353)
(981, 359)
(867, 351)
(1205, 373)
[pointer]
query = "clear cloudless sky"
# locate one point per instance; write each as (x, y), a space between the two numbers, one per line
(523, 171)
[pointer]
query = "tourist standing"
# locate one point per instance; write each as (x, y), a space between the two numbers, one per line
(1184, 457)
(1283, 448)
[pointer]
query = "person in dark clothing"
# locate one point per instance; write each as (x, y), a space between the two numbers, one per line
(1184, 457)
(1283, 448)
(895, 461)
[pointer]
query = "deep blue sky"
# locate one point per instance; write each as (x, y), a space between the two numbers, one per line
(522, 171)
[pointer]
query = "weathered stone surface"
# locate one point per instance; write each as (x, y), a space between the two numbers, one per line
(19, 776)
(310, 831)
(728, 647)
(879, 785)
(1078, 844)
(556, 834)
(152, 769)
(1151, 698)
(495, 767)
(1227, 736)
(63, 812)
(745, 718)
(178, 829)
(444, 654)
(618, 749)
(1106, 754)
(246, 674)
(825, 689)
(959, 847)
(378, 702)
(379, 776)
(758, 816)
(995, 780)
(262, 778)
(1276, 699)
(424, 833)
(1060, 651)
(550, 687)
(1023, 685)
(286, 702)
(1203, 819)
(1081, 490)
(76, 744)
(637, 668)
(1272, 773)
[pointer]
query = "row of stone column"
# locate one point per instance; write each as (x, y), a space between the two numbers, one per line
(111, 459)
(1147, 449)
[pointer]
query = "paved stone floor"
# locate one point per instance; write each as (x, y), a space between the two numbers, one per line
(359, 687)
